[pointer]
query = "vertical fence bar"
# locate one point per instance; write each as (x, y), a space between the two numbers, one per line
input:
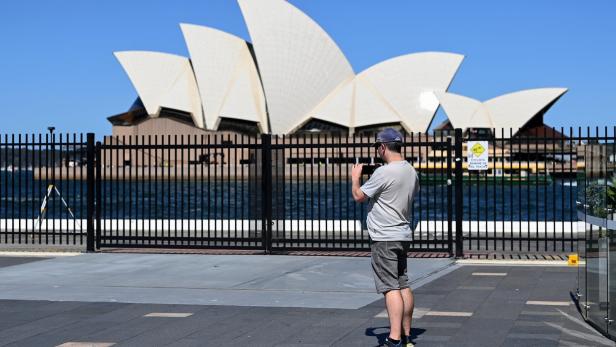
(99, 194)
(197, 171)
(502, 182)
(242, 206)
(235, 190)
(563, 155)
(54, 183)
(186, 189)
(458, 193)
(556, 182)
(28, 193)
(227, 157)
(12, 171)
(47, 208)
(511, 183)
(19, 188)
(40, 182)
(318, 200)
(166, 182)
(449, 199)
(276, 191)
(298, 194)
(175, 189)
(495, 181)
(442, 177)
(575, 146)
(266, 177)
(469, 203)
(422, 194)
(90, 193)
(149, 195)
(74, 190)
(219, 211)
(485, 201)
(60, 187)
(131, 212)
(202, 194)
(528, 184)
(209, 190)
(546, 181)
(312, 207)
(342, 195)
(154, 162)
(3, 219)
(181, 193)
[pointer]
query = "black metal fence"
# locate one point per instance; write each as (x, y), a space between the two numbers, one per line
(43, 188)
(525, 200)
(290, 192)
(179, 191)
(267, 192)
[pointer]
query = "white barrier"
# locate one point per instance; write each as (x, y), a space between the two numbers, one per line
(427, 229)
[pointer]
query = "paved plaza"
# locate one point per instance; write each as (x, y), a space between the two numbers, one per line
(251, 300)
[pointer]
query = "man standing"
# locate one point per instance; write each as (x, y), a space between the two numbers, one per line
(390, 190)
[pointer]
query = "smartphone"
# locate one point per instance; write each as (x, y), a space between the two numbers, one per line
(368, 169)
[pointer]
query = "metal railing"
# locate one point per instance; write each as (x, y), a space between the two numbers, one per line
(267, 192)
(525, 201)
(44, 188)
(289, 192)
(179, 191)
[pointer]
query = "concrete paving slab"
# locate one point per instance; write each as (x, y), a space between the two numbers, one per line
(241, 280)
(54, 323)
(12, 261)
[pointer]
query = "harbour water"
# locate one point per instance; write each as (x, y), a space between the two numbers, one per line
(21, 196)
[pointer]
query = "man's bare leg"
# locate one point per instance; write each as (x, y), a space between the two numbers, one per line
(395, 310)
(407, 315)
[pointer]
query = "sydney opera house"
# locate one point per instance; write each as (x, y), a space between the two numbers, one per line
(293, 78)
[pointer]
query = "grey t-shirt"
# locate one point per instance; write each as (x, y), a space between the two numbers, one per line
(391, 189)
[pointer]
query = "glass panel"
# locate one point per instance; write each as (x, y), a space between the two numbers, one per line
(596, 277)
(581, 288)
(612, 281)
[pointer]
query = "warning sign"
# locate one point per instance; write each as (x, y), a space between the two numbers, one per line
(477, 155)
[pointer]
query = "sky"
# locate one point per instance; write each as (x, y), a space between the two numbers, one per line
(57, 66)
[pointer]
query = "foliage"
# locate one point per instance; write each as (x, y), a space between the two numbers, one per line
(600, 197)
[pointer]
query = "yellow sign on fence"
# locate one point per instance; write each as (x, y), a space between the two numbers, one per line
(477, 156)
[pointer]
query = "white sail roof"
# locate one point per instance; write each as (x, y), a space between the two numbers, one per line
(508, 111)
(408, 82)
(297, 73)
(163, 80)
(227, 76)
(298, 61)
(397, 90)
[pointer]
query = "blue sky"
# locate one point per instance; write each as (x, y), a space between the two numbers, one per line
(57, 66)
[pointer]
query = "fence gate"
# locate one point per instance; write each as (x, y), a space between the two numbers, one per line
(268, 192)
(312, 206)
(194, 191)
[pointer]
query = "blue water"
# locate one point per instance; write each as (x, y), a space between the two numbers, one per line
(21, 197)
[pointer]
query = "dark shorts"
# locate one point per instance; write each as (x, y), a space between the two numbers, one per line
(389, 265)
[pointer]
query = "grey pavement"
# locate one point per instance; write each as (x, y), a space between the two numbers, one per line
(278, 301)
(244, 280)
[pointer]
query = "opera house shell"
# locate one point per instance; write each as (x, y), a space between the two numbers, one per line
(293, 73)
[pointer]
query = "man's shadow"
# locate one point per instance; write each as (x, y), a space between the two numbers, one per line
(381, 333)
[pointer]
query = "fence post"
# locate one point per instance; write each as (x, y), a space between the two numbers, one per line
(99, 194)
(90, 192)
(449, 198)
(459, 188)
(266, 188)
